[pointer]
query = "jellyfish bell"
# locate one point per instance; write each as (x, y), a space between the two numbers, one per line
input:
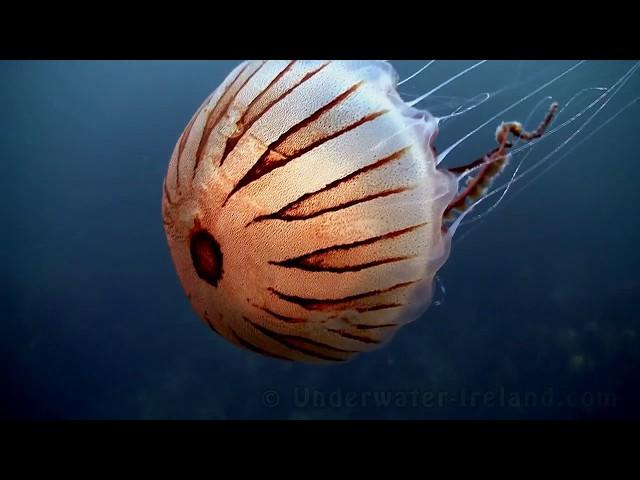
(306, 211)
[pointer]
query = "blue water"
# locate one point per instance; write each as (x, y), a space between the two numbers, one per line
(539, 318)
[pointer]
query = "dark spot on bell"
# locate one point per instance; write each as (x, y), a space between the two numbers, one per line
(206, 257)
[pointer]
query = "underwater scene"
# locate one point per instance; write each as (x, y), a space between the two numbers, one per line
(311, 240)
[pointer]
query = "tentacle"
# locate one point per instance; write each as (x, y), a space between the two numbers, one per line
(494, 161)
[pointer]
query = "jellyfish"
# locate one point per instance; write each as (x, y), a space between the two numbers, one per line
(307, 210)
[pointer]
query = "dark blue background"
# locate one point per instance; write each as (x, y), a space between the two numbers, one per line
(541, 297)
